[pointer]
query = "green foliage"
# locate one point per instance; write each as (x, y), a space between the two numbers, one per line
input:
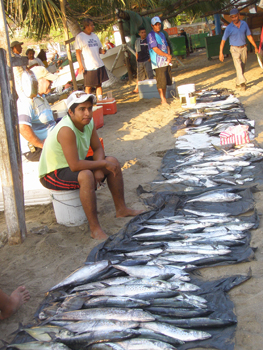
(39, 16)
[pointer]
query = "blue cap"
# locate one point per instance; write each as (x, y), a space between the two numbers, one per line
(155, 20)
(233, 12)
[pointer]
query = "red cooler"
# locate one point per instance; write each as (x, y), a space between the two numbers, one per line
(109, 106)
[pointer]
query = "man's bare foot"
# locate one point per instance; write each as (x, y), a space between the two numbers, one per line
(127, 212)
(14, 301)
(99, 234)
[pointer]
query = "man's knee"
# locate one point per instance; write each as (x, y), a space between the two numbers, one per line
(86, 177)
(113, 160)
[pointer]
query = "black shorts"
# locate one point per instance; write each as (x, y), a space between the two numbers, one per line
(163, 77)
(63, 179)
(94, 78)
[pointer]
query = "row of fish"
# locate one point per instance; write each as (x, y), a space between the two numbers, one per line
(144, 296)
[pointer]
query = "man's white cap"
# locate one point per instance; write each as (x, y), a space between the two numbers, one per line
(79, 97)
(42, 72)
(155, 20)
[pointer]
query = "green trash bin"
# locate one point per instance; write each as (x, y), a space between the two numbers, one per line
(212, 44)
(178, 46)
(198, 40)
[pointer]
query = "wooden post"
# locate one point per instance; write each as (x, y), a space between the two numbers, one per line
(64, 20)
(9, 167)
(10, 155)
(126, 54)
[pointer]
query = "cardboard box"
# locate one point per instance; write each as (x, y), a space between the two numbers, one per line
(90, 151)
(148, 89)
(109, 106)
(98, 116)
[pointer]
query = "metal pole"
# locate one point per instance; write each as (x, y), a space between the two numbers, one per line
(64, 20)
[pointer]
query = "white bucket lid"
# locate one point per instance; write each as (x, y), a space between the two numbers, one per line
(184, 89)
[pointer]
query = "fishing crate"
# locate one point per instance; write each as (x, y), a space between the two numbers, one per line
(148, 89)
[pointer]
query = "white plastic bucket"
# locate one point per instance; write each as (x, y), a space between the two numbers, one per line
(68, 208)
(184, 92)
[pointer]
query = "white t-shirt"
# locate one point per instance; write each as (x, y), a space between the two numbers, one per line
(89, 44)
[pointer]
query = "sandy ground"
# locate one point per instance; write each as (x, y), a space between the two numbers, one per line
(138, 135)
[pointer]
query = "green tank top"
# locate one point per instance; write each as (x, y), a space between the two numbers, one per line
(52, 156)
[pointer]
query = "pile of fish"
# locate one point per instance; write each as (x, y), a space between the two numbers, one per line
(142, 292)
(204, 124)
(149, 307)
(212, 168)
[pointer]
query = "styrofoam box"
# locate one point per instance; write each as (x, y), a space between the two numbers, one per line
(148, 89)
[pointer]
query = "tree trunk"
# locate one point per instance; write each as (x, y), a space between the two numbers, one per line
(73, 26)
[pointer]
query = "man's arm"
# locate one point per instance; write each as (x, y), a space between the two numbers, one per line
(78, 55)
(67, 140)
(27, 132)
(98, 154)
(95, 144)
(102, 51)
(221, 55)
(161, 53)
(251, 40)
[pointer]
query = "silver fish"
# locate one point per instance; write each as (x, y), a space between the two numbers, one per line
(120, 314)
(37, 345)
(103, 283)
(220, 196)
(176, 332)
(205, 214)
(42, 333)
(100, 325)
(132, 290)
(83, 274)
(109, 301)
(152, 271)
(202, 171)
(145, 344)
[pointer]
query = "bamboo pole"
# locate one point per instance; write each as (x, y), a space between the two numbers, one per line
(10, 156)
(64, 20)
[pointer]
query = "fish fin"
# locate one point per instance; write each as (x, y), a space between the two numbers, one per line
(105, 284)
(52, 336)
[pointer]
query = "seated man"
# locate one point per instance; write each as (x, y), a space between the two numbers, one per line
(35, 116)
(63, 164)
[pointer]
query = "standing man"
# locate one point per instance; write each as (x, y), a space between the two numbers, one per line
(16, 50)
(237, 31)
(88, 50)
(35, 116)
(160, 57)
(183, 33)
(64, 166)
(144, 67)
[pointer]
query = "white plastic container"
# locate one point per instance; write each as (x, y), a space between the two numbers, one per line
(185, 94)
(68, 208)
(60, 109)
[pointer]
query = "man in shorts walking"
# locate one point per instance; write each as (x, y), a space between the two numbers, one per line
(64, 164)
(144, 67)
(160, 57)
(88, 50)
